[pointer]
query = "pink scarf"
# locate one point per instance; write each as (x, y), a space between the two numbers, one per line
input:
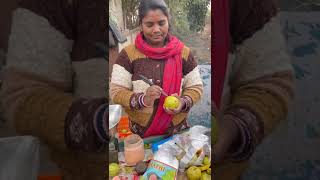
(220, 48)
(172, 77)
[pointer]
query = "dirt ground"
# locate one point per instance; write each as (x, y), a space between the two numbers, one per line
(200, 44)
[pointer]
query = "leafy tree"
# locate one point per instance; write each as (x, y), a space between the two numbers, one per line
(130, 13)
(178, 21)
(185, 15)
(196, 14)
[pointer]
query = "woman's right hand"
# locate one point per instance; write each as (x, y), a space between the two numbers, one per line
(152, 93)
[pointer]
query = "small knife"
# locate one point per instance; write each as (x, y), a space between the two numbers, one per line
(146, 80)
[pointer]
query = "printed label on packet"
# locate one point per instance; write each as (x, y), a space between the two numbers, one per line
(160, 170)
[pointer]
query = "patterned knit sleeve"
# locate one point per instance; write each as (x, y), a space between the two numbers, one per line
(192, 87)
(37, 78)
(121, 84)
(262, 87)
(37, 90)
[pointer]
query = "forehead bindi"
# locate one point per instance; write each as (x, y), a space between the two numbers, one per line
(154, 16)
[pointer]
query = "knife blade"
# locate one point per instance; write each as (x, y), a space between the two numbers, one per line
(146, 80)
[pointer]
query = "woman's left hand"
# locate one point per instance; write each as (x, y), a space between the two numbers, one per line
(178, 109)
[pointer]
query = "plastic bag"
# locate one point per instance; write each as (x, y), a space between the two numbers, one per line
(196, 145)
(180, 152)
(19, 158)
(191, 147)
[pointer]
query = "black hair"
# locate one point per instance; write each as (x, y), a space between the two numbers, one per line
(146, 5)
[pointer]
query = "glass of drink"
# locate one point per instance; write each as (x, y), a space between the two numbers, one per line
(133, 149)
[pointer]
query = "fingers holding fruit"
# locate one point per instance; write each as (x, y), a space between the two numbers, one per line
(169, 111)
(173, 104)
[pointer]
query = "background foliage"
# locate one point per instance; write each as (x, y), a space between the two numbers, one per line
(186, 15)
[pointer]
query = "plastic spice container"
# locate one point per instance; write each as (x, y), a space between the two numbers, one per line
(133, 149)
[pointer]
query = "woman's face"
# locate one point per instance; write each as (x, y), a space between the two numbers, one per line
(155, 27)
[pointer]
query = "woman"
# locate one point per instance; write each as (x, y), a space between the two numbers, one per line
(253, 80)
(54, 82)
(168, 63)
